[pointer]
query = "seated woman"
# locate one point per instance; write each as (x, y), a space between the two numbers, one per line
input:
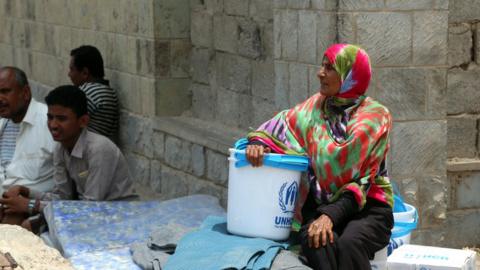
(344, 207)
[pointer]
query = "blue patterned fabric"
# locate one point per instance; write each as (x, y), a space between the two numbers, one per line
(93, 230)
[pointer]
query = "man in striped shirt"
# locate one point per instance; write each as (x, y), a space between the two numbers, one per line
(86, 71)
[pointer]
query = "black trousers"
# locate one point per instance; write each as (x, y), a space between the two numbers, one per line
(355, 242)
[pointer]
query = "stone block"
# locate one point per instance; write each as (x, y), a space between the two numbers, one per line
(387, 37)
(5, 30)
(435, 236)
(299, 4)
(324, 4)
(280, 4)
(85, 12)
(432, 199)
(146, 57)
(19, 35)
(155, 176)
(146, 20)
(129, 16)
(462, 90)
(204, 101)
(356, 5)
(130, 56)
(313, 81)
(249, 44)
(201, 29)
(442, 4)
(233, 108)
(307, 45)
(466, 186)
(225, 33)
(139, 168)
(430, 36)
(178, 153)
(476, 45)
(345, 27)
(436, 93)
(235, 7)
(277, 34)
(147, 88)
(267, 40)
(200, 65)
(39, 62)
(162, 58)
(127, 87)
(172, 18)
(289, 34)
(180, 58)
(52, 14)
(419, 147)
(6, 54)
(214, 6)
(62, 40)
(410, 4)
(282, 78)
(404, 91)
(158, 143)
(298, 83)
(462, 225)
(326, 33)
(136, 135)
(263, 79)
(408, 188)
(174, 183)
(261, 9)
(172, 96)
(263, 110)
(217, 167)
(462, 137)
(234, 72)
(205, 187)
(198, 160)
(463, 11)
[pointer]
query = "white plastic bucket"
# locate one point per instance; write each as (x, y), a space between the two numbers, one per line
(404, 224)
(261, 200)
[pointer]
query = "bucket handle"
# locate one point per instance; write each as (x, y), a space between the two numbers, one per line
(405, 227)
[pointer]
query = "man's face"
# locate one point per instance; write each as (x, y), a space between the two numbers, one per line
(78, 77)
(64, 125)
(14, 99)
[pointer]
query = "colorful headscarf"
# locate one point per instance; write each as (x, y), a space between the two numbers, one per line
(352, 163)
(353, 65)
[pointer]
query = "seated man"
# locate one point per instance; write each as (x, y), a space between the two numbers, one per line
(86, 71)
(87, 166)
(26, 147)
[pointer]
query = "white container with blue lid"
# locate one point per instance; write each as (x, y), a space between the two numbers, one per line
(261, 200)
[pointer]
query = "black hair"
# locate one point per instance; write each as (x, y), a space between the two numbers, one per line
(20, 76)
(87, 56)
(68, 96)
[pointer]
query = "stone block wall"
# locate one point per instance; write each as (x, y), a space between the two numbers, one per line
(463, 118)
(232, 61)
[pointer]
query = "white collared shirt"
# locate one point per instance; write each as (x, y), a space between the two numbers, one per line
(32, 163)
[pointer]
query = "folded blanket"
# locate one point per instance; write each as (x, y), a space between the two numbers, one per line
(213, 248)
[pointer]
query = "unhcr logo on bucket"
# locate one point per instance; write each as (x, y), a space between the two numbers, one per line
(286, 200)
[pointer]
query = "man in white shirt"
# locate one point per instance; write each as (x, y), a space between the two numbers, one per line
(26, 146)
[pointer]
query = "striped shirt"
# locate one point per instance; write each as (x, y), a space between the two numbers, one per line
(8, 139)
(102, 104)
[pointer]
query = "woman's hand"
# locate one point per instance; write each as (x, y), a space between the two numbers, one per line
(255, 154)
(319, 230)
(15, 205)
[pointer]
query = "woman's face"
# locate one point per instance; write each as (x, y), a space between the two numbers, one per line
(330, 81)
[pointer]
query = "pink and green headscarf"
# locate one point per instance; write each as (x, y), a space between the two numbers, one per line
(353, 65)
